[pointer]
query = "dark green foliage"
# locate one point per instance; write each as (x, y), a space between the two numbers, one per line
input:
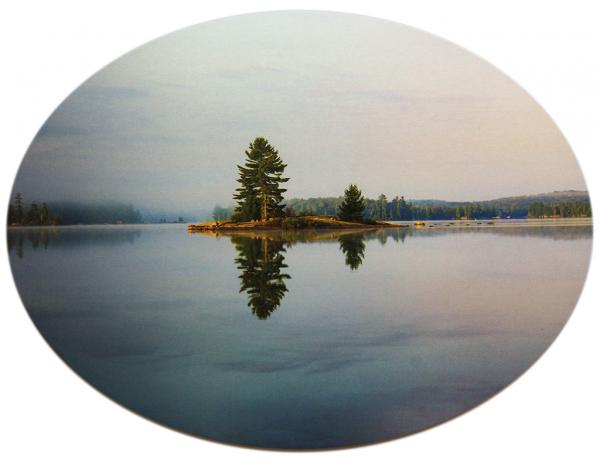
(259, 195)
(353, 247)
(314, 206)
(563, 209)
(19, 213)
(33, 216)
(261, 261)
(382, 207)
(44, 215)
(70, 213)
(353, 205)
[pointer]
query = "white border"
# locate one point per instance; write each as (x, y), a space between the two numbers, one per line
(48, 48)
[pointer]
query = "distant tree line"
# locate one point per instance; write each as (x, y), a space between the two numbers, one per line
(111, 212)
(400, 209)
(34, 215)
(70, 213)
(562, 209)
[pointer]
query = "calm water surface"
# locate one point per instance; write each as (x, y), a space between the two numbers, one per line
(301, 340)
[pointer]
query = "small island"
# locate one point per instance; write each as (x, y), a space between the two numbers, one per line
(297, 222)
(260, 200)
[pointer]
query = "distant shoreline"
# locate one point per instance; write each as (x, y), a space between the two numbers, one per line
(471, 223)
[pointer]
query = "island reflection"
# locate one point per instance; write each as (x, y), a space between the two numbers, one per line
(261, 254)
(261, 259)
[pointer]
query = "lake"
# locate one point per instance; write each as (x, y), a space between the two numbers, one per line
(301, 340)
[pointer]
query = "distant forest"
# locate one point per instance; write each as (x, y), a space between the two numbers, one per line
(70, 213)
(556, 204)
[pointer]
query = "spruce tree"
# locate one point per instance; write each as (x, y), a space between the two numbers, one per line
(382, 207)
(44, 215)
(353, 205)
(19, 215)
(259, 195)
(405, 213)
(395, 215)
(33, 216)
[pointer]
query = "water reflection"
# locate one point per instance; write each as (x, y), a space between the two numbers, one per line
(261, 258)
(421, 326)
(261, 261)
(261, 253)
(37, 238)
(353, 247)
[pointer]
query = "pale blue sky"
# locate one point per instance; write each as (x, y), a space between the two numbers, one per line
(345, 98)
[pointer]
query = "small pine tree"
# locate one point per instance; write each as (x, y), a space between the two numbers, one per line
(353, 205)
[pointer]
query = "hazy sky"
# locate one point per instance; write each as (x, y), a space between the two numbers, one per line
(344, 98)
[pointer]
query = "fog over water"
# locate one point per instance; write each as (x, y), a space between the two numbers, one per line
(345, 98)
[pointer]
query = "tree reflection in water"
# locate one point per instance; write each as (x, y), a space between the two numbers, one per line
(353, 247)
(261, 261)
(37, 238)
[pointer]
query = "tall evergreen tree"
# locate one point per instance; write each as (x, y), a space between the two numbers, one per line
(395, 215)
(382, 207)
(44, 215)
(19, 215)
(353, 205)
(260, 195)
(404, 207)
(248, 206)
(33, 215)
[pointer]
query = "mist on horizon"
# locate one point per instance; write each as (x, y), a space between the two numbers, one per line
(345, 99)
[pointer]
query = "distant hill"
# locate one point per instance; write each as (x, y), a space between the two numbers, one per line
(544, 198)
(522, 201)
